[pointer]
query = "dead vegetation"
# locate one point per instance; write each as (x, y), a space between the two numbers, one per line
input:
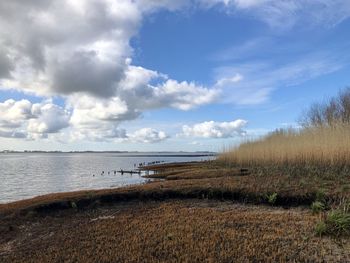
(320, 147)
(171, 231)
(320, 151)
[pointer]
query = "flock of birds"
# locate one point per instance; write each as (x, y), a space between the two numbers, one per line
(137, 167)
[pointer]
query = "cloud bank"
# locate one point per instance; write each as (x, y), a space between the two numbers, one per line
(147, 135)
(212, 129)
(22, 119)
(80, 51)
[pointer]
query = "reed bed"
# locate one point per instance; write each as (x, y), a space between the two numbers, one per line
(322, 151)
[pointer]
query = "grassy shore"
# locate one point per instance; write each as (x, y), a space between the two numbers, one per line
(196, 212)
(320, 147)
(322, 151)
(205, 180)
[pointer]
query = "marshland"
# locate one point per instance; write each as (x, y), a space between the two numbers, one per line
(281, 198)
(174, 131)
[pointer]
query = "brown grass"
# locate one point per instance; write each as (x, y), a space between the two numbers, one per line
(177, 231)
(202, 170)
(322, 151)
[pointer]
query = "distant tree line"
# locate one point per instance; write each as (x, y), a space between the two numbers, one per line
(331, 112)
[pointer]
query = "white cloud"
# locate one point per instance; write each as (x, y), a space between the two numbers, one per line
(67, 47)
(103, 132)
(229, 80)
(149, 6)
(95, 118)
(234, 3)
(212, 129)
(80, 50)
(137, 91)
(184, 95)
(262, 77)
(248, 3)
(22, 119)
(111, 133)
(147, 135)
(289, 13)
(50, 118)
(196, 143)
(87, 110)
(62, 47)
(13, 113)
(98, 119)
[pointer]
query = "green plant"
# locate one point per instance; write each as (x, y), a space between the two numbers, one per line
(338, 222)
(271, 198)
(320, 195)
(73, 205)
(317, 207)
(302, 183)
(321, 228)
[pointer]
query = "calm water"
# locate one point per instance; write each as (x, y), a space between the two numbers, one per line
(25, 175)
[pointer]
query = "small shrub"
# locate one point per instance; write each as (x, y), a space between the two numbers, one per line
(317, 207)
(271, 198)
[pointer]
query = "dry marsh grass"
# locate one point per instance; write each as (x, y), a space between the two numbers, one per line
(320, 151)
(317, 152)
(177, 231)
(198, 171)
(321, 147)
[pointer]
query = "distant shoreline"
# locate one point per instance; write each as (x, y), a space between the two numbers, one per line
(128, 154)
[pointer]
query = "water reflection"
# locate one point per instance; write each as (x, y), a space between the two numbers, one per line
(28, 175)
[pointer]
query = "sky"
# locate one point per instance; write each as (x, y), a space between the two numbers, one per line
(163, 75)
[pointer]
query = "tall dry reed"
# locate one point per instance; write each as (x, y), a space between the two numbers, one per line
(317, 150)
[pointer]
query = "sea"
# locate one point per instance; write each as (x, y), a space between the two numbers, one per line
(26, 175)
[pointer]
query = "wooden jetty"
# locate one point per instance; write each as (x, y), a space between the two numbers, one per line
(129, 172)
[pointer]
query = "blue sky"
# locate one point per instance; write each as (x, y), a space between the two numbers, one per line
(158, 75)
